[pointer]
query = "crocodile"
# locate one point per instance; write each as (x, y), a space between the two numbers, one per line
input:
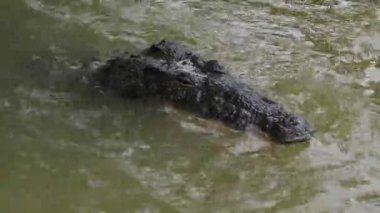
(172, 72)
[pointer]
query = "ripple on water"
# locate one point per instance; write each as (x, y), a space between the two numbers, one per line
(367, 46)
(373, 74)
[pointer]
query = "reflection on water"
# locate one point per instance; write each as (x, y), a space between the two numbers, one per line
(65, 148)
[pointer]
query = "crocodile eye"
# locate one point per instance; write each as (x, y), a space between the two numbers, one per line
(184, 79)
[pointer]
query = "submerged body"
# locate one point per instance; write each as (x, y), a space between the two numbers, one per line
(171, 72)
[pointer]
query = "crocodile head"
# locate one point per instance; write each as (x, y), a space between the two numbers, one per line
(289, 128)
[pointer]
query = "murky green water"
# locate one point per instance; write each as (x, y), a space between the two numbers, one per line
(65, 149)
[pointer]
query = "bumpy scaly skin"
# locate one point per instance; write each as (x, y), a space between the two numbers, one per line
(171, 72)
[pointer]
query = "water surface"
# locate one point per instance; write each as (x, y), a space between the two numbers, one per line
(64, 148)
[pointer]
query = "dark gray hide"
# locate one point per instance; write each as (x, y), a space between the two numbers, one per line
(174, 73)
